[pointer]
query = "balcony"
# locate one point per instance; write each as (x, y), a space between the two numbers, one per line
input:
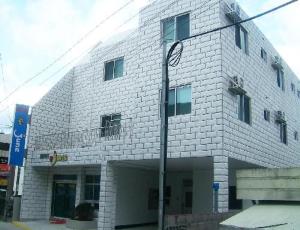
(85, 138)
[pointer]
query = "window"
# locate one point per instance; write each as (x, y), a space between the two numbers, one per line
(244, 108)
(280, 79)
(92, 189)
(293, 88)
(298, 93)
(267, 115)
(176, 28)
(263, 54)
(241, 38)
(114, 69)
(110, 125)
(283, 133)
(180, 100)
(296, 136)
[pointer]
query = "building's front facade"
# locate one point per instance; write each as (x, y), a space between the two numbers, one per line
(103, 120)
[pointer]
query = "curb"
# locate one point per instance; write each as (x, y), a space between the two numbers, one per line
(20, 225)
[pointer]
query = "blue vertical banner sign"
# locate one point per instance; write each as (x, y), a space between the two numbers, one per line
(17, 147)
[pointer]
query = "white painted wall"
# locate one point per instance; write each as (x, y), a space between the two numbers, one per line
(202, 191)
(132, 196)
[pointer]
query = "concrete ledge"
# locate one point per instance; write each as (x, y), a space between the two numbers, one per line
(81, 225)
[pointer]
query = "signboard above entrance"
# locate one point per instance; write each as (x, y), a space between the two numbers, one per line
(57, 157)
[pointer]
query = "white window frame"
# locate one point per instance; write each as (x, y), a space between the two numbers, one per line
(175, 95)
(93, 184)
(175, 36)
(114, 60)
(244, 48)
(242, 99)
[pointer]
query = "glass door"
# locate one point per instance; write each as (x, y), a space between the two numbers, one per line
(63, 200)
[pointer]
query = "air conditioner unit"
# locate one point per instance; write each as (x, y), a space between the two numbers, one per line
(280, 117)
(234, 12)
(277, 62)
(237, 86)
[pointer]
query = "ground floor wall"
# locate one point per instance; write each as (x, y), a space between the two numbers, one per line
(129, 193)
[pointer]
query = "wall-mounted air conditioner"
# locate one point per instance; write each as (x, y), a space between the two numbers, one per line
(237, 86)
(277, 62)
(234, 12)
(280, 117)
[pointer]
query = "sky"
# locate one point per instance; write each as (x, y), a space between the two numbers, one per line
(33, 33)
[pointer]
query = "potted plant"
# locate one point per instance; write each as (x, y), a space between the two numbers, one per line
(83, 218)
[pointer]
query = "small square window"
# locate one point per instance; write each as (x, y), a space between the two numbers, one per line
(176, 28)
(267, 115)
(263, 54)
(113, 69)
(110, 125)
(241, 38)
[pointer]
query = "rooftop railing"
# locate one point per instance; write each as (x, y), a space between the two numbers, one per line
(85, 138)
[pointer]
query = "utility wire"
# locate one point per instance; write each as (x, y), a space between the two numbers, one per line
(199, 34)
(112, 48)
(242, 21)
(67, 51)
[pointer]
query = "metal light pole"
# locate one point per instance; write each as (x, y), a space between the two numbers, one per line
(172, 60)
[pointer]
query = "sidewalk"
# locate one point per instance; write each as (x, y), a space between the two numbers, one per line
(39, 225)
(7, 226)
(45, 225)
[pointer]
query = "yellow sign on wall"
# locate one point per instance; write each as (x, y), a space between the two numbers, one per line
(3, 182)
(57, 157)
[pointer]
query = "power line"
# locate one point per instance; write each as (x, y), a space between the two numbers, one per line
(206, 32)
(112, 48)
(242, 21)
(67, 51)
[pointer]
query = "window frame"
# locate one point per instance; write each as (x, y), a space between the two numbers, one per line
(102, 128)
(239, 29)
(296, 136)
(263, 54)
(279, 76)
(93, 201)
(267, 115)
(175, 88)
(283, 133)
(175, 35)
(293, 87)
(241, 108)
(114, 61)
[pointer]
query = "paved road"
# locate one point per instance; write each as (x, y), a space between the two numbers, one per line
(7, 226)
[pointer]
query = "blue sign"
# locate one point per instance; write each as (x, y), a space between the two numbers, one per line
(216, 186)
(17, 147)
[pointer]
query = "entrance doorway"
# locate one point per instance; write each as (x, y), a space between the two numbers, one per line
(64, 195)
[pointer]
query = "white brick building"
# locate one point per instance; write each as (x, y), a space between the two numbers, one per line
(211, 133)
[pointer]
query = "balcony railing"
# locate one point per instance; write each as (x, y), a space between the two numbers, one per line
(84, 138)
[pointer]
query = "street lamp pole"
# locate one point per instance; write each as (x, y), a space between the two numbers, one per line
(172, 60)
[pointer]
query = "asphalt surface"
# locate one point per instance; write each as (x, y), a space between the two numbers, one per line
(7, 226)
